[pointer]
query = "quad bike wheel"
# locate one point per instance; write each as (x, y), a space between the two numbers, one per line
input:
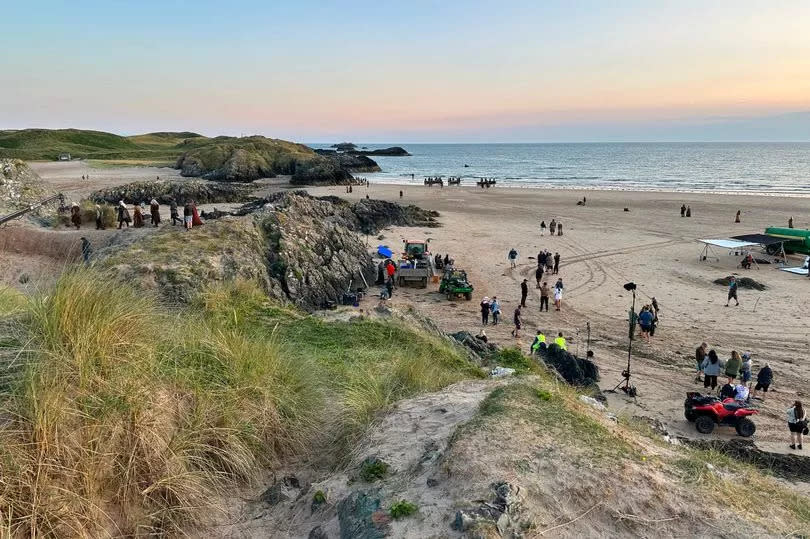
(468, 296)
(689, 415)
(745, 427)
(704, 424)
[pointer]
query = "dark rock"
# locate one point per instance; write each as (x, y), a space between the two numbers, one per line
(275, 494)
(575, 370)
(432, 482)
(483, 351)
(317, 533)
(350, 162)
(742, 282)
(344, 146)
(359, 516)
(394, 151)
(321, 172)
(201, 192)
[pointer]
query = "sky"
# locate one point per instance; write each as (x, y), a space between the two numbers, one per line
(415, 71)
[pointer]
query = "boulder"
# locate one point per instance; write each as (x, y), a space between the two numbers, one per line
(574, 370)
(350, 162)
(360, 516)
(19, 185)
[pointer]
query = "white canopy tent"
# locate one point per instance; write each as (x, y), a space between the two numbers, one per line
(708, 252)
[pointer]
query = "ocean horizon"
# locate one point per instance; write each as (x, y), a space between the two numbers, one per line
(769, 168)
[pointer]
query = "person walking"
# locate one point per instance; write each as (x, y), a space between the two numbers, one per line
(512, 256)
(542, 227)
(645, 318)
(485, 311)
(556, 264)
(86, 250)
(137, 218)
(558, 293)
(538, 275)
(123, 215)
(544, 293)
(538, 343)
(683, 210)
(560, 341)
(700, 356)
(764, 381)
(495, 308)
(154, 210)
(99, 218)
(76, 216)
(797, 424)
(524, 291)
(559, 229)
(711, 369)
(175, 217)
(732, 291)
(733, 366)
(516, 319)
(737, 217)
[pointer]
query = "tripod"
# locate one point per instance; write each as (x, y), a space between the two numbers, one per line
(624, 384)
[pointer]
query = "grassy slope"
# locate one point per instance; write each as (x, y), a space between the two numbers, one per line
(124, 417)
(34, 144)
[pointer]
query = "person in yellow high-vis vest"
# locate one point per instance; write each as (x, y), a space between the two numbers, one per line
(560, 341)
(538, 343)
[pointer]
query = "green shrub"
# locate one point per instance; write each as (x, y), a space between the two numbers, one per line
(402, 509)
(514, 358)
(373, 469)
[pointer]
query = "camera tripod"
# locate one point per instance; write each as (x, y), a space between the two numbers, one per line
(624, 384)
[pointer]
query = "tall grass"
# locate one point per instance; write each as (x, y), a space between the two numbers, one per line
(131, 419)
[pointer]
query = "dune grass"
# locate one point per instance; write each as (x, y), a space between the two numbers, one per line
(128, 418)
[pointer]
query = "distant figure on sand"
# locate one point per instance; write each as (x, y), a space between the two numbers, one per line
(688, 211)
(495, 308)
(195, 217)
(512, 256)
(711, 369)
(173, 212)
(400, 193)
(733, 366)
(76, 216)
(86, 250)
(99, 218)
(187, 221)
(732, 291)
(700, 355)
(797, 424)
(556, 264)
(137, 219)
(558, 291)
(123, 214)
(538, 275)
(154, 210)
(542, 227)
(683, 210)
(559, 229)
(544, 293)
(764, 380)
(737, 217)
(552, 227)
(790, 222)
(517, 321)
(485, 311)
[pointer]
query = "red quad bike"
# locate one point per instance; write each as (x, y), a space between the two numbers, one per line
(707, 411)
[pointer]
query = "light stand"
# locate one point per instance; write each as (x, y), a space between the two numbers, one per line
(624, 384)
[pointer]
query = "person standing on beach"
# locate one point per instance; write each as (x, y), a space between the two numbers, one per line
(556, 264)
(517, 321)
(173, 212)
(137, 220)
(558, 291)
(733, 366)
(790, 223)
(495, 307)
(737, 217)
(485, 311)
(700, 356)
(512, 256)
(732, 291)
(542, 227)
(688, 211)
(552, 227)
(544, 293)
(711, 369)
(797, 423)
(524, 291)
(764, 380)
(538, 275)
(559, 229)
(123, 215)
(683, 210)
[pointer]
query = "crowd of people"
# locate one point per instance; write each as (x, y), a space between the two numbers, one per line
(137, 218)
(554, 227)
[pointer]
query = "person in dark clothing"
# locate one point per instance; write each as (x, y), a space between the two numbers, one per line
(764, 380)
(711, 369)
(538, 275)
(446, 259)
(559, 229)
(400, 194)
(524, 291)
(485, 311)
(544, 294)
(137, 220)
(541, 259)
(173, 212)
(123, 215)
(683, 210)
(517, 321)
(76, 216)
(556, 264)
(86, 250)
(154, 211)
(389, 285)
(688, 211)
(99, 218)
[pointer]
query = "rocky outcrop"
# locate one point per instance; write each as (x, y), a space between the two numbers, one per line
(321, 172)
(350, 162)
(201, 192)
(367, 216)
(574, 370)
(393, 151)
(19, 185)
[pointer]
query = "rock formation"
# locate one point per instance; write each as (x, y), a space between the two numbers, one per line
(202, 192)
(393, 151)
(19, 185)
(349, 161)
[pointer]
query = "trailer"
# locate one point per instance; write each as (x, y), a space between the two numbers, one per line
(797, 240)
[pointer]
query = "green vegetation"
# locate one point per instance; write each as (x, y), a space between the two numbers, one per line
(373, 469)
(48, 144)
(128, 418)
(319, 497)
(109, 215)
(402, 509)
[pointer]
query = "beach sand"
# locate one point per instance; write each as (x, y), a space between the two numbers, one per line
(602, 248)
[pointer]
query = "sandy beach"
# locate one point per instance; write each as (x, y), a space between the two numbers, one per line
(602, 248)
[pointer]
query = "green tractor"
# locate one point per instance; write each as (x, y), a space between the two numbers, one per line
(454, 283)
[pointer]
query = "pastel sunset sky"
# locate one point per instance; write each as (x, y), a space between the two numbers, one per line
(413, 71)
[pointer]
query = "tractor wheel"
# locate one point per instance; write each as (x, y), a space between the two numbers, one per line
(745, 427)
(690, 415)
(704, 424)
(468, 296)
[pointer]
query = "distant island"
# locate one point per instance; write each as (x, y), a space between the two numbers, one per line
(351, 149)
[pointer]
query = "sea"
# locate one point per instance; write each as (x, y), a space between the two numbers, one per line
(738, 167)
